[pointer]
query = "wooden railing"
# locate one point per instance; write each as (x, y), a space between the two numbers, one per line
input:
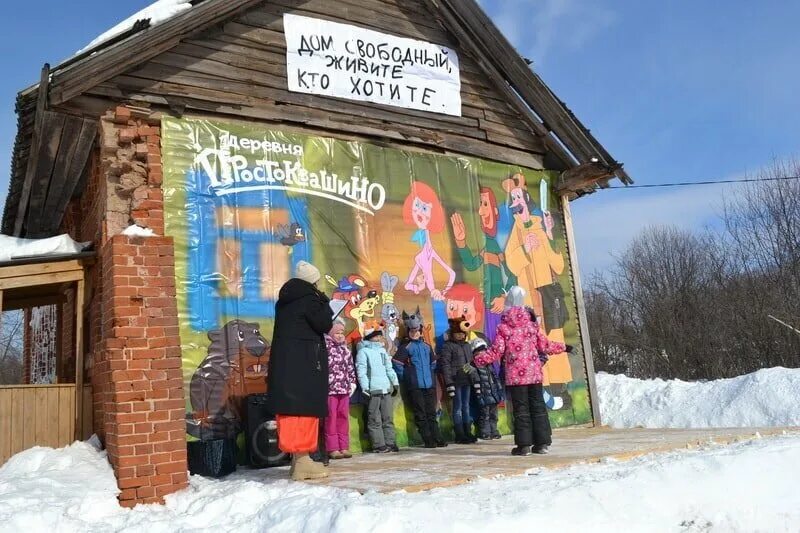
(35, 415)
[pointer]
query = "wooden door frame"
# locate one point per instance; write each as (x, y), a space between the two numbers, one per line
(16, 276)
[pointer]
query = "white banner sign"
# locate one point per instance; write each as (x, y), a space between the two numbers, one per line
(332, 59)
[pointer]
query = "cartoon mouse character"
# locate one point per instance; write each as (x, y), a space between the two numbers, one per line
(389, 312)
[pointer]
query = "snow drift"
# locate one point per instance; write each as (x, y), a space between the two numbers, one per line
(745, 487)
(766, 398)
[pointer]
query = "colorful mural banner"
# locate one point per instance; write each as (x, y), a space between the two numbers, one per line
(391, 230)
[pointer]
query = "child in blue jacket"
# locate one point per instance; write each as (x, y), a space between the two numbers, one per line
(379, 383)
(416, 362)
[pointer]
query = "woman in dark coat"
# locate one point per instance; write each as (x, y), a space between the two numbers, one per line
(297, 381)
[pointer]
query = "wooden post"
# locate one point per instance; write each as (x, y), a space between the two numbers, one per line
(79, 360)
(583, 324)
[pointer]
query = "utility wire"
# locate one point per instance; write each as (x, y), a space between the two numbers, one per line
(691, 183)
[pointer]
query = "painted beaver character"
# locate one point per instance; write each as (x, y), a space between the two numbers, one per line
(235, 367)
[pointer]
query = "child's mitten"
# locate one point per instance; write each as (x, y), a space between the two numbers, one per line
(395, 390)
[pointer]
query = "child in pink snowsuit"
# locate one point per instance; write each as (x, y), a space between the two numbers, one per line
(520, 343)
(341, 384)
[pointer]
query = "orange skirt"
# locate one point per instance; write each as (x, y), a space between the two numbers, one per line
(297, 434)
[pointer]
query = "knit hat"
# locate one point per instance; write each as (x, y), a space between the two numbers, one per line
(515, 297)
(478, 345)
(338, 326)
(307, 272)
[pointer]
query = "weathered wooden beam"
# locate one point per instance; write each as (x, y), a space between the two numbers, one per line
(12, 304)
(30, 171)
(78, 315)
(583, 322)
(584, 176)
(52, 174)
(75, 170)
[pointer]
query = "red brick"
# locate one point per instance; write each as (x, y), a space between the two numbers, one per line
(178, 455)
(163, 490)
(122, 115)
(131, 460)
(171, 468)
(127, 497)
(143, 427)
(145, 492)
(145, 131)
(169, 446)
(158, 416)
(133, 482)
(161, 479)
(161, 458)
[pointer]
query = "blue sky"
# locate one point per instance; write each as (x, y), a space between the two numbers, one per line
(678, 91)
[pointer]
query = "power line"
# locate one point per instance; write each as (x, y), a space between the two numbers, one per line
(692, 183)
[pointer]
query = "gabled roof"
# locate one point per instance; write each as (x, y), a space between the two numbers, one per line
(565, 136)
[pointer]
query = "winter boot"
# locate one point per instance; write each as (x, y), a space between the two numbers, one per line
(521, 451)
(305, 468)
(459, 431)
(469, 438)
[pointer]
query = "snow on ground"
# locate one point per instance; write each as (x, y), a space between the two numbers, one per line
(764, 398)
(157, 12)
(748, 486)
(744, 487)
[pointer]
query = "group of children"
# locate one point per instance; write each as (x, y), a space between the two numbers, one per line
(470, 370)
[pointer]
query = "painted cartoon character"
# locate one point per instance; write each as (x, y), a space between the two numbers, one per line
(465, 301)
(389, 312)
(531, 257)
(497, 277)
(235, 367)
(290, 235)
(360, 301)
(423, 210)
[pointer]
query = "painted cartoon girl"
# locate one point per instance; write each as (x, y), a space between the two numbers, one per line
(423, 209)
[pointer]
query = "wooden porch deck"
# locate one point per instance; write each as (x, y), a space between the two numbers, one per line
(419, 469)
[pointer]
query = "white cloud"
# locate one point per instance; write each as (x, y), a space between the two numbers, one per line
(536, 26)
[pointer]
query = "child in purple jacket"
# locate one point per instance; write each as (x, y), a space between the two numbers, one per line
(341, 385)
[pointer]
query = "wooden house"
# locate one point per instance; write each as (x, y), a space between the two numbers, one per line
(245, 135)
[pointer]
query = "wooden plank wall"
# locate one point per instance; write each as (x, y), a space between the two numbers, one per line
(239, 68)
(35, 415)
(60, 160)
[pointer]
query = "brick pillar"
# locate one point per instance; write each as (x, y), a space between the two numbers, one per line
(139, 371)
